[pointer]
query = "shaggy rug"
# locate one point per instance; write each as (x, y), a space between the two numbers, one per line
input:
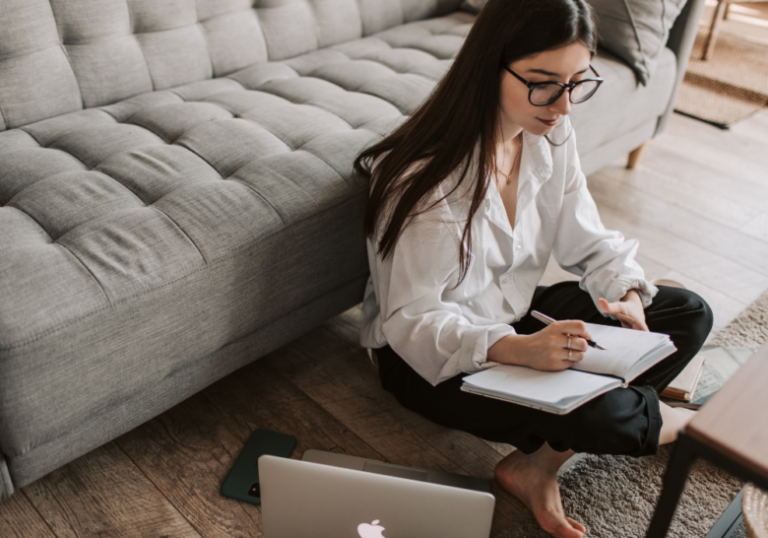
(615, 496)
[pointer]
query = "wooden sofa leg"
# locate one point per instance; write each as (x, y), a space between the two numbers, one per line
(634, 156)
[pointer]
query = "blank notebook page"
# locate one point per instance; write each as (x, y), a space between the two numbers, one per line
(623, 347)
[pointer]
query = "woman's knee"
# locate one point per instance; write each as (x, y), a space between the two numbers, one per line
(701, 316)
(682, 309)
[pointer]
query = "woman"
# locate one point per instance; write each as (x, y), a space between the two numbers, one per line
(467, 200)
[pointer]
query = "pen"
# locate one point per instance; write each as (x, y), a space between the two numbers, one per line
(548, 321)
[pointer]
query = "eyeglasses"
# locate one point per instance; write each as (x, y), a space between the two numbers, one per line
(546, 93)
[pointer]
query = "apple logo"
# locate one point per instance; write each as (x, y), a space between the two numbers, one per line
(370, 530)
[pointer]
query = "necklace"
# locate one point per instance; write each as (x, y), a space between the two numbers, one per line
(514, 164)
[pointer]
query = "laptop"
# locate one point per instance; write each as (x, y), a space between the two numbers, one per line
(329, 495)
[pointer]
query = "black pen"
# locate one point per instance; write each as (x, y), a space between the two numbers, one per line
(548, 321)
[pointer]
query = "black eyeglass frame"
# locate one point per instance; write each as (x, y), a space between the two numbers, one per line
(570, 86)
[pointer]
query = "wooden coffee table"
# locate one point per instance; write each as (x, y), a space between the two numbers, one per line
(730, 430)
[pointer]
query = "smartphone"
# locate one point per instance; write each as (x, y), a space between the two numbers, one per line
(242, 482)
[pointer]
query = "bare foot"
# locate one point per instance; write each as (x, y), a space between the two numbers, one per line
(673, 420)
(532, 478)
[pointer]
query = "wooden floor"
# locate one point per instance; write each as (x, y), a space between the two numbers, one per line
(698, 202)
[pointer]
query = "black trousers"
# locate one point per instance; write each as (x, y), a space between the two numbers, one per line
(623, 421)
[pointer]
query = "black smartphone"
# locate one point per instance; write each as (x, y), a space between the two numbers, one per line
(242, 482)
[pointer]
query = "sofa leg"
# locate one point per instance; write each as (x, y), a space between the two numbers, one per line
(634, 156)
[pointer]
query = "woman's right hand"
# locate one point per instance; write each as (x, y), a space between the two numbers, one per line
(546, 349)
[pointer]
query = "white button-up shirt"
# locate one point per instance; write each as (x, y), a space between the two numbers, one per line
(409, 302)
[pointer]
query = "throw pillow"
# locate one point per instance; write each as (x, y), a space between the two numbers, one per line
(634, 30)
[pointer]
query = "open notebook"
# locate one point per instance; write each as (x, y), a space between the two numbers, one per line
(628, 353)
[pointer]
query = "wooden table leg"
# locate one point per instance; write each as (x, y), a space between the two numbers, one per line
(674, 481)
(717, 17)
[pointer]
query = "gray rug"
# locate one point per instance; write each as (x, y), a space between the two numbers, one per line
(750, 328)
(615, 496)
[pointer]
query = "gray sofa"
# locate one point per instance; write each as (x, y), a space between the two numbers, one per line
(177, 196)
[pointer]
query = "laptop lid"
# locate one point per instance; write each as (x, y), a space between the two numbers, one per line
(414, 473)
(301, 499)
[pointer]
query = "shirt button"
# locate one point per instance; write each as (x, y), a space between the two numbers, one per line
(517, 248)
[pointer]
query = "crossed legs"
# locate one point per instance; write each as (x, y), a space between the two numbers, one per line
(532, 478)
(629, 421)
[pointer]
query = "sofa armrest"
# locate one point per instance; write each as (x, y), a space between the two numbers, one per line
(680, 41)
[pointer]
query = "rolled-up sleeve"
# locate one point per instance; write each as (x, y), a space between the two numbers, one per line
(426, 330)
(603, 258)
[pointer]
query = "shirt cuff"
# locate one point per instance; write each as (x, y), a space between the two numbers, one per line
(620, 287)
(478, 359)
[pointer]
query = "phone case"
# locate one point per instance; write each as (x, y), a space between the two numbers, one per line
(242, 482)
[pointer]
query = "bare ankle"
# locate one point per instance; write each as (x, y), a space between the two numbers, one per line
(551, 458)
(673, 419)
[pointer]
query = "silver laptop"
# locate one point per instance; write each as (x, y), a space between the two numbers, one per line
(401, 471)
(349, 497)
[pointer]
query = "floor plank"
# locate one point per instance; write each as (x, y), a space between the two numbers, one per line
(718, 149)
(679, 194)
(104, 494)
(714, 269)
(757, 227)
(187, 462)
(19, 519)
(698, 230)
(755, 129)
(287, 409)
(730, 184)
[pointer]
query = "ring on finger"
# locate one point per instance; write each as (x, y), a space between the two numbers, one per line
(569, 354)
(568, 347)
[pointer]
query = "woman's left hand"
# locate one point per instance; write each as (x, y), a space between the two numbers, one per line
(629, 310)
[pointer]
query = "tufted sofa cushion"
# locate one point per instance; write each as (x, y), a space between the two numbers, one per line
(59, 56)
(141, 236)
(136, 193)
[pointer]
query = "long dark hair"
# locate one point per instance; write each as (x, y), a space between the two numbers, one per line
(462, 111)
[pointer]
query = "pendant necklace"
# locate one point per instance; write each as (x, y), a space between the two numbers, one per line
(514, 164)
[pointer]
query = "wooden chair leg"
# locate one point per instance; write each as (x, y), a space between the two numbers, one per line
(634, 156)
(717, 17)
